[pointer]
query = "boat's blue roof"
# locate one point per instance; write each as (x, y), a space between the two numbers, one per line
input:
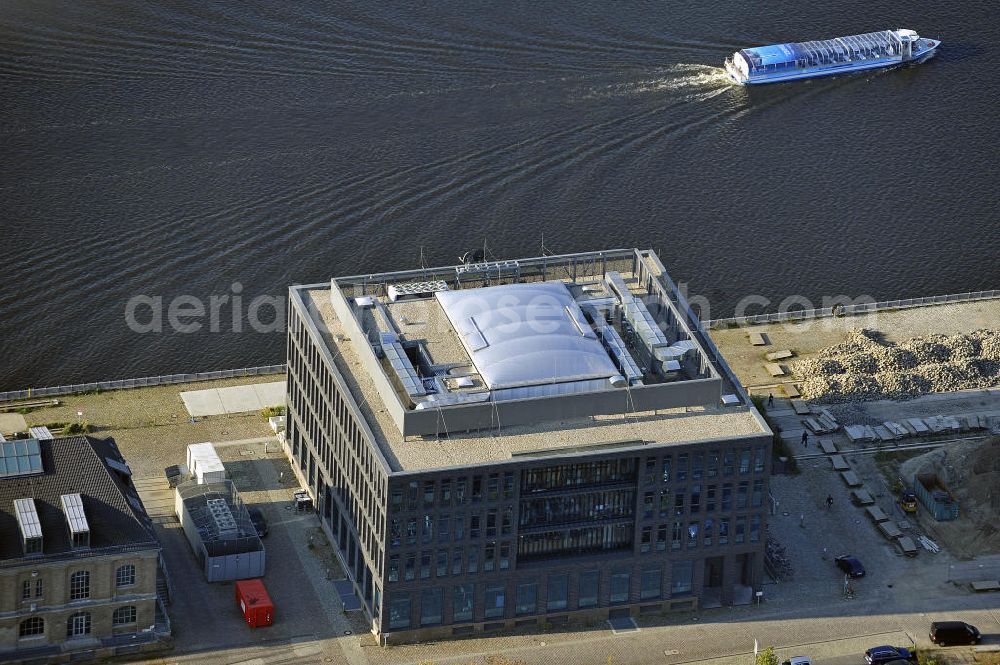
(770, 55)
(877, 43)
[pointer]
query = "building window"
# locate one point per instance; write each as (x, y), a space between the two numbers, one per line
(727, 497)
(396, 499)
(650, 584)
(459, 527)
(692, 535)
(646, 540)
(695, 498)
(661, 537)
(681, 577)
(527, 599)
(39, 588)
(442, 563)
(460, 492)
(399, 612)
(741, 527)
(462, 602)
(590, 583)
(757, 497)
(508, 485)
(394, 568)
(445, 491)
(507, 525)
(427, 532)
(755, 529)
(620, 587)
(728, 463)
(477, 489)
(489, 560)
(741, 495)
(675, 535)
(411, 564)
(710, 499)
(125, 575)
(679, 502)
(665, 475)
(682, 468)
(495, 599)
(558, 593)
(31, 627)
(428, 493)
(647, 505)
(78, 625)
(491, 523)
(758, 460)
(123, 615)
(664, 503)
(473, 561)
(474, 526)
(724, 531)
(425, 565)
(456, 561)
(493, 487)
(744, 461)
(444, 527)
(709, 531)
(411, 531)
(713, 464)
(697, 466)
(430, 606)
(79, 586)
(650, 470)
(504, 556)
(26, 590)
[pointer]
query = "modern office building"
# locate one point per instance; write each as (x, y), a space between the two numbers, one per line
(79, 559)
(523, 442)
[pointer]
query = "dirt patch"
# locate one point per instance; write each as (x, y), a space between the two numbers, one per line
(971, 470)
(866, 366)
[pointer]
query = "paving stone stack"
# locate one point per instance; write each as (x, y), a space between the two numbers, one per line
(867, 367)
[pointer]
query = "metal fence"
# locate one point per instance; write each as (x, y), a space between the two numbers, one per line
(851, 310)
(124, 384)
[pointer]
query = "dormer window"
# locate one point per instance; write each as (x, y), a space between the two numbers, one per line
(29, 525)
(76, 520)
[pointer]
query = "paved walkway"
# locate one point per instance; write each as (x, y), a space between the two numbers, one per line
(233, 399)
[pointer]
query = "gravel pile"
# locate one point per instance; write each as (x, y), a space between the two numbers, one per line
(867, 367)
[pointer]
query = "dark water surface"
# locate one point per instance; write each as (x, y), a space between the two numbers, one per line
(175, 148)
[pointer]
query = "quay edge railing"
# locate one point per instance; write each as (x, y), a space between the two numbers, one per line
(850, 310)
(144, 382)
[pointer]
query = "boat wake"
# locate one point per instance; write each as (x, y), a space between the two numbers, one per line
(699, 81)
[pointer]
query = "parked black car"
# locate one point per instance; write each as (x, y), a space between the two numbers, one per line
(954, 632)
(259, 523)
(850, 565)
(885, 654)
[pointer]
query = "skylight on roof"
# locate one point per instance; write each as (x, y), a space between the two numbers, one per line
(19, 458)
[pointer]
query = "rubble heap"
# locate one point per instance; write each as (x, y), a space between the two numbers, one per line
(867, 367)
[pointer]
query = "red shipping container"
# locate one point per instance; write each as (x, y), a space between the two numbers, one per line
(256, 605)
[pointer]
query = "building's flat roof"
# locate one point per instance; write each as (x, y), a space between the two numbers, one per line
(427, 321)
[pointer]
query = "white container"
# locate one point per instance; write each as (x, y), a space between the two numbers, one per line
(204, 463)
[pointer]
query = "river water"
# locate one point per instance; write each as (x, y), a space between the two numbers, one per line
(180, 148)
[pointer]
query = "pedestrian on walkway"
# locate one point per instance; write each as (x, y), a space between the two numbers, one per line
(770, 400)
(829, 501)
(805, 438)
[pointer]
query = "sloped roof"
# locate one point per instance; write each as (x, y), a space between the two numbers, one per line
(76, 465)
